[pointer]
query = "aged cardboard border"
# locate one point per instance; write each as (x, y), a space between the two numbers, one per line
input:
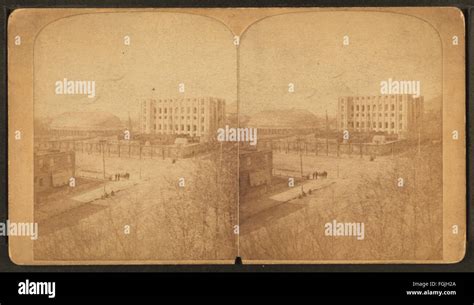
(28, 22)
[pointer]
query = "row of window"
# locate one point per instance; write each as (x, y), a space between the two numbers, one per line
(166, 110)
(374, 107)
(378, 97)
(374, 125)
(400, 116)
(176, 118)
(177, 127)
(51, 162)
(201, 101)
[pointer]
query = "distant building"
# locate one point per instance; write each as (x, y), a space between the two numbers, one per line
(284, 121)
(85, 124)
(196, 117)
(53, 169)
(255, 170)
(399, 114)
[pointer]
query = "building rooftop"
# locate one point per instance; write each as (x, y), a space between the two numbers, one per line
(284, 118)
(86, 121)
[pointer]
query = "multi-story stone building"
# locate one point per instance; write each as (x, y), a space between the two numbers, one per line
(196, 117)
(399, 114)
(53, 169)
(255, 170)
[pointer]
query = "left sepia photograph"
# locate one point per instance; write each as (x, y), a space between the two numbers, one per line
(126, 163)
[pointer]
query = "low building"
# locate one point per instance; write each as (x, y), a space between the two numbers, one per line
(85, 124)
(53, 169)
(255, 170)
(284, 122)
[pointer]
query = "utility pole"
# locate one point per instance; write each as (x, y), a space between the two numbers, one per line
(327, 134)
(301, 159)
(103, 142)
(140, 162)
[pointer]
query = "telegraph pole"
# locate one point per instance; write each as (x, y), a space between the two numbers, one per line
(327, 134)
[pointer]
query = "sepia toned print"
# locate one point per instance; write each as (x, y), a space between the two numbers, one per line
(273, 135)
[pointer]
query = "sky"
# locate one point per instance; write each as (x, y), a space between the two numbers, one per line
(307, 49)
(166, 49)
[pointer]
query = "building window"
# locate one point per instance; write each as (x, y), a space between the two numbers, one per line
(386, 124)
(189, 127)
(41, 181)
(249, 161)
(380, 124)
(392, 125)
(392, 107)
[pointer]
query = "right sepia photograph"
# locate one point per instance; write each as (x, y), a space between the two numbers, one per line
(349, 159)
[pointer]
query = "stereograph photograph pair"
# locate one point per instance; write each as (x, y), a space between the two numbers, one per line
(270, 135)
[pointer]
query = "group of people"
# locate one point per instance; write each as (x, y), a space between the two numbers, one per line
(314, 175)
(117, 177)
